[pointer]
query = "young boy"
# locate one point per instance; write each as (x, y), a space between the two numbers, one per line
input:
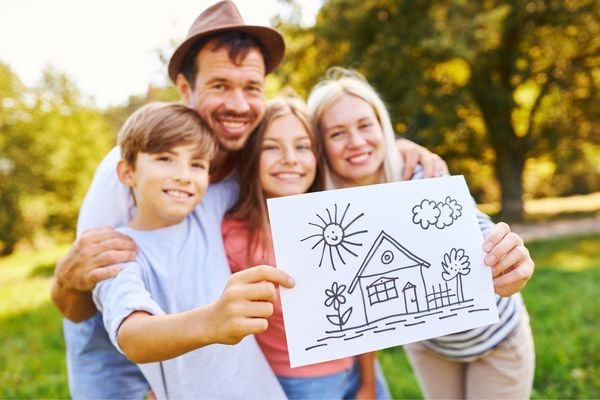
(162, 311)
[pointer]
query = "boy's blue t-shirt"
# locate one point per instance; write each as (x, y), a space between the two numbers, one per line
(179, 268)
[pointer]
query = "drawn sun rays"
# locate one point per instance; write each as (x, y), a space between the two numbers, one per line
(334, 234)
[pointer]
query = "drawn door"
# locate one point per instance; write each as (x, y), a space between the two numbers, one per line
(410, 298)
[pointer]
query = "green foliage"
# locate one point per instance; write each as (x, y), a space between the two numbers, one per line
(487, 84)
(49, 147)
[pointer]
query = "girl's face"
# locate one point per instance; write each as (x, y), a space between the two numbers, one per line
(287, 162)
(353, 140)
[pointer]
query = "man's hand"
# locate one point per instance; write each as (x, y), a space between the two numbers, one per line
(246, 303)
(93, 257)
(414, 154)
(511, 263)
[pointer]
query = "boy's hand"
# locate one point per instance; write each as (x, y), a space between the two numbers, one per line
(94, 257)
(511, 263)
(246, 303)
(414, 154)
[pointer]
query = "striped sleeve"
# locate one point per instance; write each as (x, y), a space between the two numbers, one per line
(468, 345)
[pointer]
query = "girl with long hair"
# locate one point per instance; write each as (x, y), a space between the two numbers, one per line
(282, 158)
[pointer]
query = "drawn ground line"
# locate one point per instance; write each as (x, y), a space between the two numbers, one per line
(367, 329)
(354, 337)
(331, 337)
(316, 345)
(416, 323)
(448, 316)
(430, 314)
(396, 322)
(393, 328)
(460, 308)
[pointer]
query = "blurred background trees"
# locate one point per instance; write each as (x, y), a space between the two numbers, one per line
(505, 90)
(50, 145)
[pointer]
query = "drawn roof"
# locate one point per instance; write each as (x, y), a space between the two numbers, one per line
(376, 244)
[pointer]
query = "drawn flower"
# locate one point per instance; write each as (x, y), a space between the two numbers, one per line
(335, 296)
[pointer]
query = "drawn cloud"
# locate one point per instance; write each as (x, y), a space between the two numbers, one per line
(439, 214)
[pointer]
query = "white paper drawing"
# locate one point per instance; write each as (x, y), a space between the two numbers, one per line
(379, 266)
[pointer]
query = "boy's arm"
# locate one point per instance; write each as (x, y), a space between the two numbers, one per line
(414, 154)
(92, 258)
(367, 389)
(242, 309)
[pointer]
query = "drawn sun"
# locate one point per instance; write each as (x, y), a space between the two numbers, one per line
(333, 234)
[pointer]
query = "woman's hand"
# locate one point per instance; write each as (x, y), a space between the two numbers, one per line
(511, 263)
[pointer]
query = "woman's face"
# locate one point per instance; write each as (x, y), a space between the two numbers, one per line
(287, 162)
(353, 140)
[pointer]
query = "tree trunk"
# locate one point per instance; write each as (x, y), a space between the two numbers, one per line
(509, 171)
(496, 105)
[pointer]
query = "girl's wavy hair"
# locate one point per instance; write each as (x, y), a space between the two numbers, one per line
(338, 82)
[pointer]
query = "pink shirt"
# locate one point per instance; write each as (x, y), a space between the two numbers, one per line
(272, 342)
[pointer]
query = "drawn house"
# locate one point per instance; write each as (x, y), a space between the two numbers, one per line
(390, 275)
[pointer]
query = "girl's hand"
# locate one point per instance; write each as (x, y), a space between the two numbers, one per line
(511, 263)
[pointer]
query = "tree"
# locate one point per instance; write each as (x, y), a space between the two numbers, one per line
(488, 84)
(51, 144)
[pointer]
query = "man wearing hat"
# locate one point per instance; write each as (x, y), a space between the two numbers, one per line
(219, 71)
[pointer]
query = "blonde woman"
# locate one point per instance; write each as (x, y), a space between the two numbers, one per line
(496, 361)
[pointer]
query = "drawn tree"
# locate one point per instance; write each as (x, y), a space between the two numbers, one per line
(335, 298)
(455, 265)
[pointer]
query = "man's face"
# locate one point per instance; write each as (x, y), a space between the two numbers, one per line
(229, 97)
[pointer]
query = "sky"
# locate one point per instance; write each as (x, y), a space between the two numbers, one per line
(109, 48)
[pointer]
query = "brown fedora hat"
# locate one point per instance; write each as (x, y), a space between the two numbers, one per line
(225, 17)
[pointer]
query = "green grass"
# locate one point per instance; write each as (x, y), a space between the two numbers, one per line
(562, 299)
(32, 356)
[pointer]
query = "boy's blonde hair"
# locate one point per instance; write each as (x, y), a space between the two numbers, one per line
(337, 83)
(160, 126)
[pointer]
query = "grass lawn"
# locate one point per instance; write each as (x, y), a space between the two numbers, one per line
(561, 298)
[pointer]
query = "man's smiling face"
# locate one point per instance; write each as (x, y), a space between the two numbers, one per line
(229, 97)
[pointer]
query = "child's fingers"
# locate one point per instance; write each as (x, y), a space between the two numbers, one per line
(260, 291)
(258, 309)
(266, 273)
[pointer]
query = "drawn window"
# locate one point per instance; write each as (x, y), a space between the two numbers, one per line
(382, 290)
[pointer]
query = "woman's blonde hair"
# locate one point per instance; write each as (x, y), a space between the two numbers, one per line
(337, 83)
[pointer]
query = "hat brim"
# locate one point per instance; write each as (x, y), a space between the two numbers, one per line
(270, 39)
